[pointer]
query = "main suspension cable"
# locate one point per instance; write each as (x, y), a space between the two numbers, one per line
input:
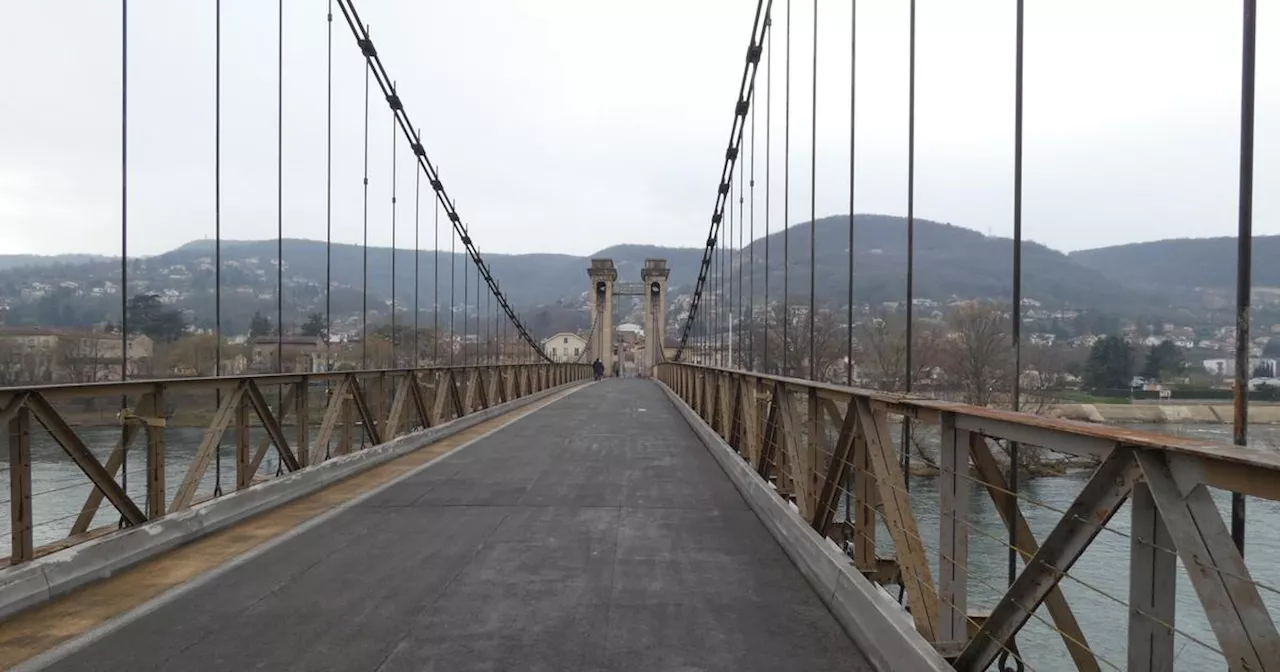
(361, 33)
(746, 90)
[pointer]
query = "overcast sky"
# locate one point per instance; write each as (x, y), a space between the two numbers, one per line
(571, 125)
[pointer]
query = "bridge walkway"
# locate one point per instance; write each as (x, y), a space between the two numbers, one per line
(596, 533)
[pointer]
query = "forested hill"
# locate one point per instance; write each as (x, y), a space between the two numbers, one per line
(1188, 263)
(950, 261)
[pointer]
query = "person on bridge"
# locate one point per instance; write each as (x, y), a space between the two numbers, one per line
(597, 368)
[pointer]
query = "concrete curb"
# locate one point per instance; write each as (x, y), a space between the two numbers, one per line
(870, 616)
(56, 574)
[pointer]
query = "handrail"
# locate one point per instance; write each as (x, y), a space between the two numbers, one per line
(917, 406)
(832, 452)
(352, 410)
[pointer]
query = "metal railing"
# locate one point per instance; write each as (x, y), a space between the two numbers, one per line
(59, 478)
(834, 453)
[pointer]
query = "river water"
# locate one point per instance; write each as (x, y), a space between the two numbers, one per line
(1097, 588)
(1098, 585)
(59, 487)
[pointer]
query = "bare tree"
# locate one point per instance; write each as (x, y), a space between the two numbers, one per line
(191, 355)
(20, 365)
(882, 350)
(1043, 378)
(787, 349)
(978, 353)
(79, 359)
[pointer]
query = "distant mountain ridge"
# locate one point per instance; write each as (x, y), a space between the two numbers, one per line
(11, 261)
(1186, 263)
(950, 262)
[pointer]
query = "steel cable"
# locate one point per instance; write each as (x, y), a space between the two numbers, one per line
(1016, 326)
(124, 215)
(417, 267)
(814, 374)
(279, 186)
(328, 197)
(742, 105)
(911, 232)
(768, 190)
(853, 109)
(364, 264)
(361, 33)
(217, 223)
(786, 205)
(751, 254)
(395, 360)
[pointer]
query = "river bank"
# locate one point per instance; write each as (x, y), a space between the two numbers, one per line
(1163, 414)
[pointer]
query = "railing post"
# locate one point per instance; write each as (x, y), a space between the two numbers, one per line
(155, 453)
(379, 402)
(866, 499)
(21, 545)
(1153, 585)
(348, 419)
(243, 459)
(953, 538)
(817, 441)
(302, 414)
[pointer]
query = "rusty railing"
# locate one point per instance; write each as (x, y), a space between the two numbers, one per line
(54, 502)
(833, 452)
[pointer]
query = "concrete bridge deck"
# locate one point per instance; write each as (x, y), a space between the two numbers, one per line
(596, 533)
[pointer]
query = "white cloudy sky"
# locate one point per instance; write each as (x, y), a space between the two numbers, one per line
(570, 125)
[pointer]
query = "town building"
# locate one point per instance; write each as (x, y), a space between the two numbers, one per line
(298, 354)
(565, 347)
(37, 355)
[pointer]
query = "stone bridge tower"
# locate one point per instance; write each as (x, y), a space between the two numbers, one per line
(603, 275)
(652, 292)
(654, 274)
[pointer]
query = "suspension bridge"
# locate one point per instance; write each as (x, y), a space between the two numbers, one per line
(467, 503)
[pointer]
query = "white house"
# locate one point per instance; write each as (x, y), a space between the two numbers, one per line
(631, 329)
(565, 347)
(1227, 367)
